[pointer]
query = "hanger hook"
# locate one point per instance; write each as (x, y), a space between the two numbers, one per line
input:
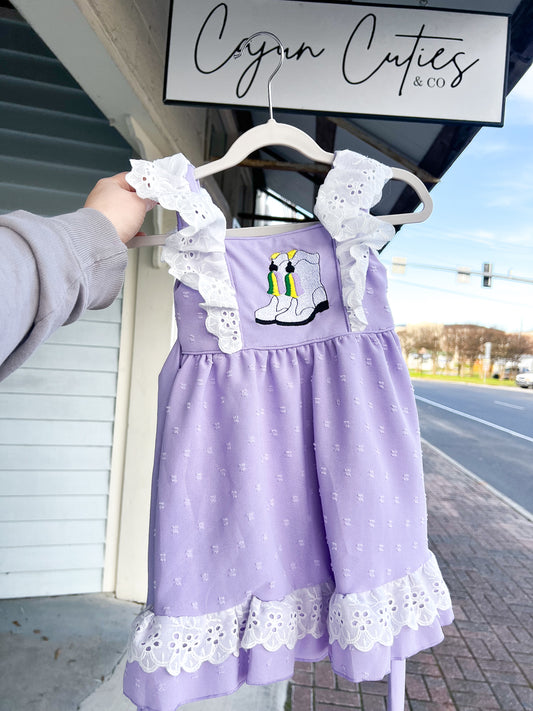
(242, 47)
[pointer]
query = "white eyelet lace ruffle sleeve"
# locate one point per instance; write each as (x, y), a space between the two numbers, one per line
(196, 253)
(361, 620)
(343, 203)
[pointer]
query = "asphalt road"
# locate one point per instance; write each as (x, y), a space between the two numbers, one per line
(489, 430)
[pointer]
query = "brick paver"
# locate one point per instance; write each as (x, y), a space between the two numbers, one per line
(485, 551)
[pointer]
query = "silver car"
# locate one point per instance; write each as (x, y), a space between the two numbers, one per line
(525, 380)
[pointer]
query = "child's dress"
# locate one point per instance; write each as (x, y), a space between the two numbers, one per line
(288, 508)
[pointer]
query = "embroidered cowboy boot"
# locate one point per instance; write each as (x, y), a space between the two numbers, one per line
(304, 288)
(279, 302)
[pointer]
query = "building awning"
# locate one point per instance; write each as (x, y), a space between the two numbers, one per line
(426, 148)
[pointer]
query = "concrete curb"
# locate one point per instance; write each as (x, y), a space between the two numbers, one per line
(109, 696)
(497, 388)
(470, 474)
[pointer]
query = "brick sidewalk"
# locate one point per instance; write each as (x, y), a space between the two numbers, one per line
(485, 550)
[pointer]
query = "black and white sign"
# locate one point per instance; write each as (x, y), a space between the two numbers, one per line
(355, 59)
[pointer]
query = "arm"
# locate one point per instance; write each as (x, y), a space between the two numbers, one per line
(52, 269)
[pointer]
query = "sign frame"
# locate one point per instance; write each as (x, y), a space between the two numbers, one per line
(217, 18)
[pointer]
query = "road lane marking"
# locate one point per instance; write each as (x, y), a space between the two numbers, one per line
(506, 404)
(476, 419)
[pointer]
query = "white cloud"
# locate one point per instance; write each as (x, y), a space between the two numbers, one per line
(504, 200)
(517, 180)
(511, 187)
(478, 236)
(500, 306)
(524, 89)
(512, 236)
(483, 148)
(521, 236)
(517, 237)
(521, 101)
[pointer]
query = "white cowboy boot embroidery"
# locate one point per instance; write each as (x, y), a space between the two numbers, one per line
(279, 302)
(304, 288)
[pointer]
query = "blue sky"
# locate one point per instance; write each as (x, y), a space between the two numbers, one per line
(483, 212)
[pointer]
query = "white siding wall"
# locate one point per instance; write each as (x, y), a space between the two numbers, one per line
(56, 412)
(123, 41)
(56, 430)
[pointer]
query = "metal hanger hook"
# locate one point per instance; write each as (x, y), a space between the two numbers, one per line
(245, 44)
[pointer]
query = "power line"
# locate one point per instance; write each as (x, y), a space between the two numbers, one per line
(481, 297)
(400, 264)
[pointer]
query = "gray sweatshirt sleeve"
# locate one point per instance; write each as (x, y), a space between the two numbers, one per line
(51, 270)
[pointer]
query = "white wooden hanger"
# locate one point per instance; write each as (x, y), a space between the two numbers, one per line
(272, 133)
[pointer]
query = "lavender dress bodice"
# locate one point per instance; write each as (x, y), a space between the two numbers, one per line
(248, 262)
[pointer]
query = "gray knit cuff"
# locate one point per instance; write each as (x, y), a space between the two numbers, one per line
(100, 252)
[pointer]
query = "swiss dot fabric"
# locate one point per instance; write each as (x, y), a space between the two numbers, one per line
(288, 509)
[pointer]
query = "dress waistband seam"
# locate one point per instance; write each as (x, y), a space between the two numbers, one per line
(349, 334)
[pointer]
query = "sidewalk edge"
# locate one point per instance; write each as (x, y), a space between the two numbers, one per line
(519, 509)
(505, 388)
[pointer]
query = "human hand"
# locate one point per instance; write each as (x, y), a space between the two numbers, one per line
(119, 202)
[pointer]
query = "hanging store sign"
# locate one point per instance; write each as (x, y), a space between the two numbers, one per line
(346, 58)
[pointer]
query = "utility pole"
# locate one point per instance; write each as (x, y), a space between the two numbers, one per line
(487, 360)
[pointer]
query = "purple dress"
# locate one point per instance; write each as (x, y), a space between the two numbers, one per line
(288, 507)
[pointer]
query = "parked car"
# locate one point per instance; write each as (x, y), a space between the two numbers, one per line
(525, 380)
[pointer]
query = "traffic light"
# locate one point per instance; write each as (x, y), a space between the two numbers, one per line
(487, 274)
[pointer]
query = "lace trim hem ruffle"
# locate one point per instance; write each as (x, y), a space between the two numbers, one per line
(196, 253)
(344, 199)
(361, 620)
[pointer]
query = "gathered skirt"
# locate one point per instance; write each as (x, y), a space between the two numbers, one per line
(288, 521)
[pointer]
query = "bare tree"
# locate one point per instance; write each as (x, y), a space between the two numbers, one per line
(499, 340)
(466, 342)
(406, 334)
(430, 339)
(422, 338)
(516, 346)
